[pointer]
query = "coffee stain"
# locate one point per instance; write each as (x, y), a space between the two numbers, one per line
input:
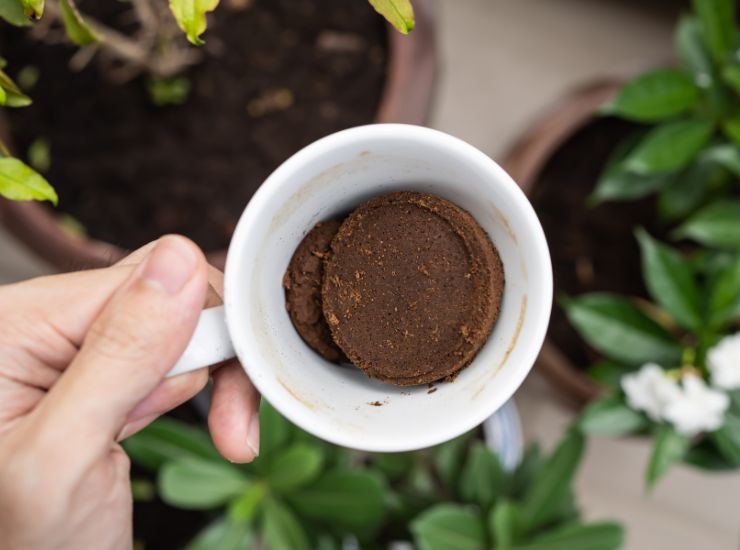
(308, 404)
(512, 345)
(504, 221)
(375, 403)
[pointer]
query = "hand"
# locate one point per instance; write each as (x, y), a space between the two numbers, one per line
(82, 363)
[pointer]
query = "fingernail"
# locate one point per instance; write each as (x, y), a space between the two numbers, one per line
(170, 265)
(253, 435)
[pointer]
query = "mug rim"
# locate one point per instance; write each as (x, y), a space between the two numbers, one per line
(273, 186)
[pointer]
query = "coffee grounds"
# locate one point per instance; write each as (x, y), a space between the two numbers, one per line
(412, 288)
(302, 282)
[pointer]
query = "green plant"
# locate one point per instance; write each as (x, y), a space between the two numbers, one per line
(154, 48)
(672, 365)
(304, 493)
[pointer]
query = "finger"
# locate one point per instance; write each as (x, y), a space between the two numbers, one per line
(234, 418)
(138, 255)
(137, 338)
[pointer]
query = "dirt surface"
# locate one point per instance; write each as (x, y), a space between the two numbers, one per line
(276, 77)
(593, 249)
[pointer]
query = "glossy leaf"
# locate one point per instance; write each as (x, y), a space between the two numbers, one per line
(350, 500)
(726, 155)
(717, 22)
(398, 13)
(12, 12)
(731, 127)
(33, 8)
(590, 536)
(281, 528)
(223, 534)
(717, 224)
(686, 190)
(20, 182)
(670, 281)
(167, 440)
(669, 147)
(724, 302)
(619, 183)
(12, 95)
(78, 30)
(731, 76)
(191, 17)
(244, 508)
(294, 467)
(449, 458)
(655, 96)
(483, 477)
(525, 472)
(727, 439)
(200, 484)
(669, 448)
(693, 52)
(447, 527)
(610, 416)
(504, 524)
(616, 328)
(607, 373)
(274, 430)
(551, 486)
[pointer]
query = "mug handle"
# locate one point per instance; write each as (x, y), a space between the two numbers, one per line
(210, 344)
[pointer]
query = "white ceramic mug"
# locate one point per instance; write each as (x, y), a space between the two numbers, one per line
(328, 179)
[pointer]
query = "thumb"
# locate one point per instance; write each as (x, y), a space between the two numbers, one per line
(136, 339)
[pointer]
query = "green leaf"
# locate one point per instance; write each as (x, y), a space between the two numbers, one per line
(223, 534)
(670, 281)
(33, 8)
(616, 328)
(731, 127)
(504, 524)
(142, 490)
(12, 12)
(294, 467)
(607, 373)
(686, 190)
(655, 96)
(705, 456)
(717, 224)
(448, 527)
(692, 51)
(13, 95)
(274, 430)
(166, 440)
(551, 486)
(726, 155)
(727, 439)
(610, 416)
(593, 536)
(76, 27)
(717, 22)
(731, 75)
(483, 477)
(724, 303)
(399, 13)
(191, 17)
(168, 91)
(282, 530)
(351, 500)
(619, 183)
(448, 459)
(669, 448)
(199, 484)
(394, 465)
(670, 146)
(244, 508)
(525, 472)
(19, 182)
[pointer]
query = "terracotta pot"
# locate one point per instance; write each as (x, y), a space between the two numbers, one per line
(525, 162)
(406, 97)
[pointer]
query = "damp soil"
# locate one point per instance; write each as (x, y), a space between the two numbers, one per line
(593, 249)
(275, 77)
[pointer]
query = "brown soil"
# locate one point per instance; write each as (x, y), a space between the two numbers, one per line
(277, 76)
(593, 249)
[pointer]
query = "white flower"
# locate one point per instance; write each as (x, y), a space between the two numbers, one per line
(698, 408)
(650, 390)
(723, 361)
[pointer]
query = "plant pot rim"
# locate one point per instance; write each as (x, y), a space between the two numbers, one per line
(525, 162)
(406, 97)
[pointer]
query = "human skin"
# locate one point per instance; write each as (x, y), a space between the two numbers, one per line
(83, 358)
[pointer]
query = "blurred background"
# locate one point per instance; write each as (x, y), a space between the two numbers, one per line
(503, 65)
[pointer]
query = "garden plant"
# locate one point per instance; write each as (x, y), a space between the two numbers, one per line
(672, 363)
(304, 493)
